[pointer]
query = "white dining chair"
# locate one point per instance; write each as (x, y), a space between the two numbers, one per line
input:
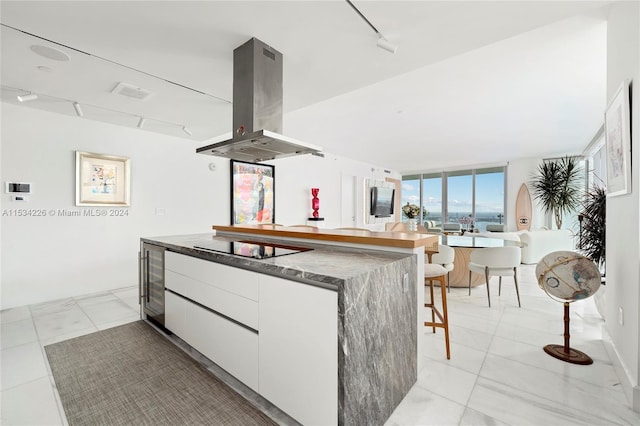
(445, 257)
(496, 261)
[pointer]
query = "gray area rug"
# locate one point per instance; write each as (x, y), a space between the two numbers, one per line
(131, 375)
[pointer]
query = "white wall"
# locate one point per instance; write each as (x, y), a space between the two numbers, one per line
(623, 229)
(52, 257)
(295, 176)
(45, 258)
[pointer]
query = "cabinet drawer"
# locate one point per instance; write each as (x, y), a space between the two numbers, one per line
(234, 280)
(237, 307)
(229, 345)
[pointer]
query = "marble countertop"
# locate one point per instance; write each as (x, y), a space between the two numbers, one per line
(324, 266)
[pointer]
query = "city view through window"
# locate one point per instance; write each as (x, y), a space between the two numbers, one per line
(473, 198)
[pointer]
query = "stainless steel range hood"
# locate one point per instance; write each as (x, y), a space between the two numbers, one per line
(257, 109)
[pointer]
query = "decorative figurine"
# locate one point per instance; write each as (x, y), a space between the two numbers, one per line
(315, 202)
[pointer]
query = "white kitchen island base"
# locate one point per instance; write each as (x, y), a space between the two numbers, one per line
(326, 345)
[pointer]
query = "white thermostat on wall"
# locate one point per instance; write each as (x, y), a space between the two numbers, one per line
(18, 188)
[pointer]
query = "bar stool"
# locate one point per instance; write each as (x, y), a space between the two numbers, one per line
(434, 272)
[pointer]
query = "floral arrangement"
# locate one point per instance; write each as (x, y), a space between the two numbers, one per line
(467, 220)
(410, 210)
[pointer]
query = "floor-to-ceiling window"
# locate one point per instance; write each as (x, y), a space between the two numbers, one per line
(410, 191)
(489, 197)
(473, 198)
(432, 197)
(459, 190)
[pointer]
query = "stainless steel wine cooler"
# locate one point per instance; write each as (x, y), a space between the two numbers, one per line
(151, 283)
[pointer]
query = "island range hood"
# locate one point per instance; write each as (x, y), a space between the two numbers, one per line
(257, 109)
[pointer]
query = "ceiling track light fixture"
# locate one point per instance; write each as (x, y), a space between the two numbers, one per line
(142, 121)
(78, 109)
(382, 43)
(28, 97)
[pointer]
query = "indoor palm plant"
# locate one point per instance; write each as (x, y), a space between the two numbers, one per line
(593, 231)
(557, 186)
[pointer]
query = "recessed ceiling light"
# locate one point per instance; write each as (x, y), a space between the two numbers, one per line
(50, 52)
(45, 69)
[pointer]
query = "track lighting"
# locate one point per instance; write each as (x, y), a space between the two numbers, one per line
(142, 121)
(29, 97)
(79, 112)
(382, 43)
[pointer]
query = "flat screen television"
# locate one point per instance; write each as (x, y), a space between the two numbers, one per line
(382, 201)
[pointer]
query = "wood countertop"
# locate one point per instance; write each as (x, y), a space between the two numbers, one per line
(407, 240)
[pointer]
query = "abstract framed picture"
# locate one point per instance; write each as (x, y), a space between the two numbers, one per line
(102, 180)
(252, 193)
(617, 126)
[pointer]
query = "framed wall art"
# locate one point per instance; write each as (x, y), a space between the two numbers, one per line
(252, 193)
(102, 180)
(617, 126)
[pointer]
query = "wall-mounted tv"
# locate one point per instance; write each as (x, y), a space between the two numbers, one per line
(382, 201)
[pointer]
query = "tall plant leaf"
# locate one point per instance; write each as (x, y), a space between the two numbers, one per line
(594, 226)
(556, 186)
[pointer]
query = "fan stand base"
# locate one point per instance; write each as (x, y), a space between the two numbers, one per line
(573, 356)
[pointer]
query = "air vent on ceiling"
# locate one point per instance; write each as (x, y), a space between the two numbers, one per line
(131, 91)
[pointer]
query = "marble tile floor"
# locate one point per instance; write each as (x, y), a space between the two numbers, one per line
(29, 395)
(498, 373)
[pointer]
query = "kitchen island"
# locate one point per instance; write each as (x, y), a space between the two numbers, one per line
(327, 333)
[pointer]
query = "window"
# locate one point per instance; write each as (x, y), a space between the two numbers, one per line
(474, 198)
(459, 192)
(410, 192)
(432, 198)
(489, 197)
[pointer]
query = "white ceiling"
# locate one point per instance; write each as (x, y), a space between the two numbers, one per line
(472, 82)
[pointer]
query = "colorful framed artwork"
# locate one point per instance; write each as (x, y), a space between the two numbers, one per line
(102, 180)
(617, 128)
(252, 193)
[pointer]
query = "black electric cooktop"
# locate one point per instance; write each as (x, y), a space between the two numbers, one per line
(251, 249)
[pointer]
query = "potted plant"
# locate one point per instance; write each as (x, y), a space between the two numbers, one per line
(593, 230)
(557, 186)
(592, 238)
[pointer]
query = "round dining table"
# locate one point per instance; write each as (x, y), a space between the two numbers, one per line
(463, 245)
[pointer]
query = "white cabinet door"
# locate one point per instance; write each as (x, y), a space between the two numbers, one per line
(298, 360)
